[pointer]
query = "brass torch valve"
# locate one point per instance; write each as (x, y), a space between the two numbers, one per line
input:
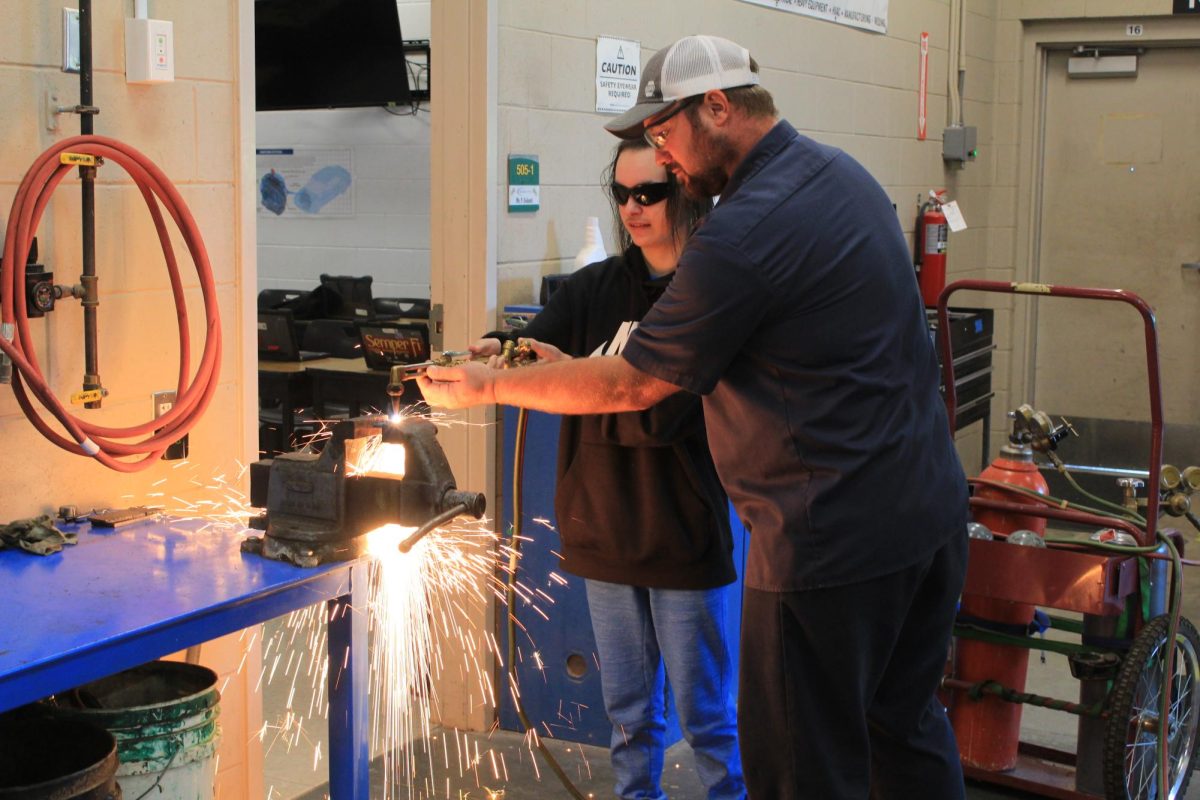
(516, 355)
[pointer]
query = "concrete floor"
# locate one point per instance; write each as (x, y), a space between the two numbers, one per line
(294, 772)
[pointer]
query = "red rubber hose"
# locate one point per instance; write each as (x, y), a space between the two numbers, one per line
(192, 397)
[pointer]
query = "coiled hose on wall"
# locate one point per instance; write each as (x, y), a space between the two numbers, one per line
(192, 395)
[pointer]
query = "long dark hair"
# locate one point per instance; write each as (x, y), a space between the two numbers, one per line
(683, 211)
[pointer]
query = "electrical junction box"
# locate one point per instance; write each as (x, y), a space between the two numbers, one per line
(958, 144)
(149, 51)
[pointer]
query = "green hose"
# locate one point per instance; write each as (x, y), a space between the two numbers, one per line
(510, 599)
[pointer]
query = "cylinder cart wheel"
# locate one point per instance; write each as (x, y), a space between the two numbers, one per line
(1131, 734)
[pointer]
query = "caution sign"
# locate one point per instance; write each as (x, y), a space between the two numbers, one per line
(618, 66)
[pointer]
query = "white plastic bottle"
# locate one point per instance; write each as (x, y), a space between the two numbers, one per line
(593, 244)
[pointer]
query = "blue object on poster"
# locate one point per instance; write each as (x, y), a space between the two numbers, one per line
(326, 184)
(272, 189)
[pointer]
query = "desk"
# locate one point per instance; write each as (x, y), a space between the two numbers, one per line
(124, 597)
(289, 381)
(351, 381)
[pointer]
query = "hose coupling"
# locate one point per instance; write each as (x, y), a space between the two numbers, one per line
(91, 290)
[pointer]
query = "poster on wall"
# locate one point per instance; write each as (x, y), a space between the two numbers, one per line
(869, 15)
(305, 181)
(618, 66)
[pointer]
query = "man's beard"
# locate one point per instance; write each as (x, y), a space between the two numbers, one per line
(717, 158)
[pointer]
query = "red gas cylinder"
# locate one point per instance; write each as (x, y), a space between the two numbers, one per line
(989, 729)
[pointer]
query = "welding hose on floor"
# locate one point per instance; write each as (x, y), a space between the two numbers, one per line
(191, 398)
(510, 598)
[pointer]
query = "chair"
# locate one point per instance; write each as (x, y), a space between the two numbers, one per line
(353, 296)
(337, 337)
(401, 307)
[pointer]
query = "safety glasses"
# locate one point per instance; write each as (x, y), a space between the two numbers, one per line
(658, 139)
(644, 194)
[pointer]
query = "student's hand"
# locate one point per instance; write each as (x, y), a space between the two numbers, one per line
(463, 386)
(485, 347)
(488, 348)
(546, 353)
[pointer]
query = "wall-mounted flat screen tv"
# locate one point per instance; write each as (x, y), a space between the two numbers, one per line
(328, 54)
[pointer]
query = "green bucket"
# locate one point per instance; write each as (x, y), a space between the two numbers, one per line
(164, 717)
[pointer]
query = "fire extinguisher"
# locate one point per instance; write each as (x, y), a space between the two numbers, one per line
(932, 232)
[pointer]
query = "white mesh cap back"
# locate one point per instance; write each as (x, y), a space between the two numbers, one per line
(691, 66)
(696, 64)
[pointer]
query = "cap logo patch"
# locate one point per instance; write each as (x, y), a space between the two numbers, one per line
(649, 91)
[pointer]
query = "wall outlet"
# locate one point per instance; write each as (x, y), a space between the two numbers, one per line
(70, 51)
(164, 402)
(149, 51)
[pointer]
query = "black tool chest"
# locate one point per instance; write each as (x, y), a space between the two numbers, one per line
(971, 343)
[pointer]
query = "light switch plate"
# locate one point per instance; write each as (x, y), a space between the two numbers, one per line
(70, 51)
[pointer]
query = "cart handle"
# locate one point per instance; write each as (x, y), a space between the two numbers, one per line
(1044, 289)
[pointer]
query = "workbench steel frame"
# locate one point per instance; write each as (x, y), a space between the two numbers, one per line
(123, 597)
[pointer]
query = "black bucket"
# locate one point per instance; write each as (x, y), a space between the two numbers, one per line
(163, 715)
(52, 759)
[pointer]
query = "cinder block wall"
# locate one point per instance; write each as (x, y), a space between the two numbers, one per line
(191, 129)
(854, 89)
(1005, 250)
(850, 88)
(387, 236)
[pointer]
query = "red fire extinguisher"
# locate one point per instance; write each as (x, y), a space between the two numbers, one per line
(932, 232)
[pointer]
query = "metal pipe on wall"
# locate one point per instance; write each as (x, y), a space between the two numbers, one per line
(87, 177)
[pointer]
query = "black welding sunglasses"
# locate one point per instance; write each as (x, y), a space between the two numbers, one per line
(644, 194)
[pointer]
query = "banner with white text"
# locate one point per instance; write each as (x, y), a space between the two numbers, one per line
(869, 15)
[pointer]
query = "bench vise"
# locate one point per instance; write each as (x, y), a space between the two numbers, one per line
(320, 506)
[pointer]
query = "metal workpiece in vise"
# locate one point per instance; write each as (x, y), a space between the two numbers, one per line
(318, 507)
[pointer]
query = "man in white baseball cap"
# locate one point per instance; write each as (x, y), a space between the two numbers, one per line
(794, 312)
(689, 67)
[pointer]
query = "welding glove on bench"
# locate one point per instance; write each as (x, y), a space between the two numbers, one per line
(36, 535)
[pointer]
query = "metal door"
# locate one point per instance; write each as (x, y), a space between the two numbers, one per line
(1121, 209)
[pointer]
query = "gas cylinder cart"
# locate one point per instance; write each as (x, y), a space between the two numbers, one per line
(1139, 700)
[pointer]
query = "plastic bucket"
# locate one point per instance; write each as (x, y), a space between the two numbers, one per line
(55, 759)
(164, 718)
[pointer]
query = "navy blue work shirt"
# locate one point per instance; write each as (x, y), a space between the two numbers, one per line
(795, 312)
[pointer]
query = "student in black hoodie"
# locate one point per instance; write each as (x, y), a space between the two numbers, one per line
(641, 512)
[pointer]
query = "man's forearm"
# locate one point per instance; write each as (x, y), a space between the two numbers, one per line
(598, 385)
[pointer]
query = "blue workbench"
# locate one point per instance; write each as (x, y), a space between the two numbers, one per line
(123, 597)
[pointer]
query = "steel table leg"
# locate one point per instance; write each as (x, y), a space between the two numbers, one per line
(349, 746)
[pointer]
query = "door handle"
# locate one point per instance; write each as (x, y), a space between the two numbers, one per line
(1191, 265)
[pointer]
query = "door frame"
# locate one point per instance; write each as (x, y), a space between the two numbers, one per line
(1039, 38)
(463, 214)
